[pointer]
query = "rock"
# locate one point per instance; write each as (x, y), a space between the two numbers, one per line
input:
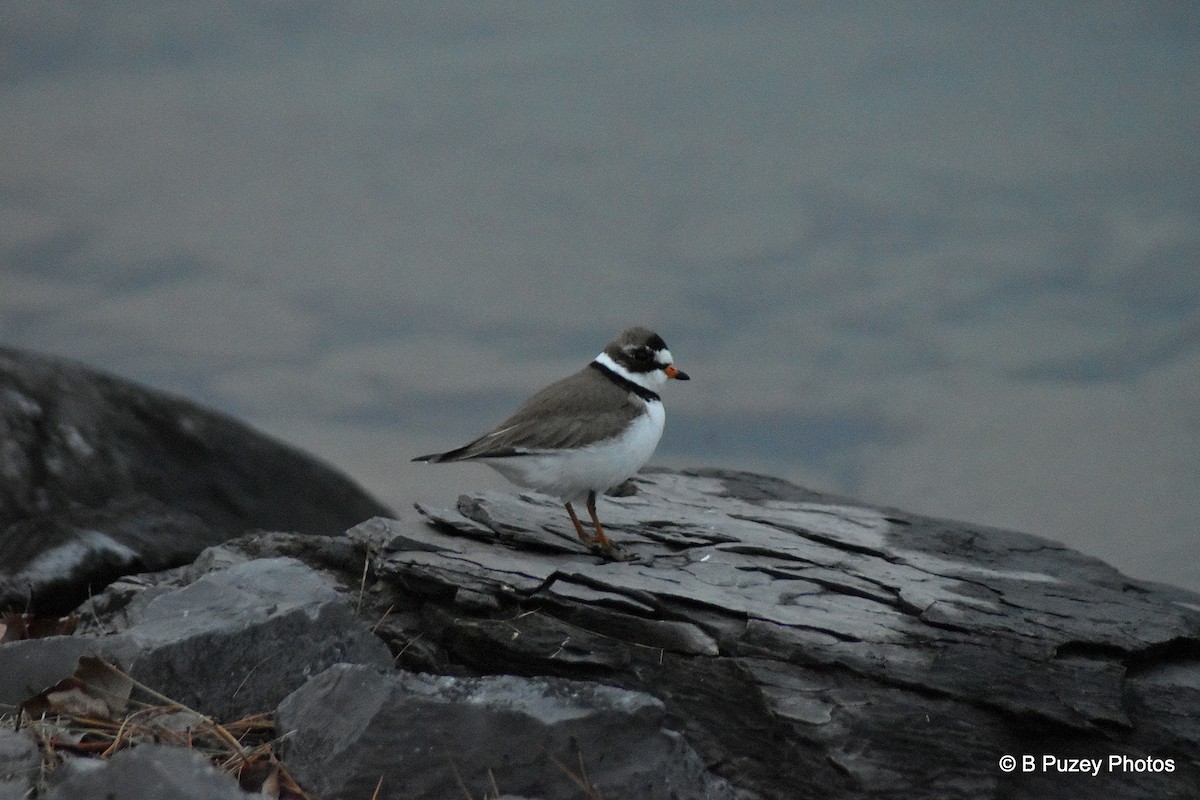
(100, 477)
(146, 772)
(20, 764)
(233, 642)
(429, 737)
(238, 640)
(58, 558)
(798, 645)
(762, 641)
(809, 646)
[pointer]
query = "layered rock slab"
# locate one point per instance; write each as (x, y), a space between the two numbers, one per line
(232, 642)
(812, 642)
(148, 772)
(793, 644)
(424, 737)
(101, 477)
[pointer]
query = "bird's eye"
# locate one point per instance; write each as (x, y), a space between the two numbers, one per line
(643, 354)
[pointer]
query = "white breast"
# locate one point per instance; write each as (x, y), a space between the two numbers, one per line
(571, 474)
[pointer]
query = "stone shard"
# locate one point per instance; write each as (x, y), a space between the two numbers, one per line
(146, 772)
(20, 764)
(233, 642)
(429, 737)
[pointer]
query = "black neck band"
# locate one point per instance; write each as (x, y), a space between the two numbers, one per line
(625, 383)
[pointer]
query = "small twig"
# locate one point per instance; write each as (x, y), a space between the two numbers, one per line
(64, 734)
(458, 778)
(582, 782)
(116, 742)
(567, 771)
(92, 606)
(579, 755)
(248, 674)
(232, 762)
(390, 609)
(218, 728)
(407, 645)
(362, 584)
(378, 786)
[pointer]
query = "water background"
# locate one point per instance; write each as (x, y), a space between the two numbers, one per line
(940, 256)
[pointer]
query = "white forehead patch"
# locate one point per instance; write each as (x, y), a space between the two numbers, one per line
(664, 357)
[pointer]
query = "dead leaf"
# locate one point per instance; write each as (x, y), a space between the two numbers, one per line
(276, 783)
(15, 627)
(96, 689)
(289, 789)
(86, 715)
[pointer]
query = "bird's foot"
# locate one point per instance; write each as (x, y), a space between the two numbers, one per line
(609, 551)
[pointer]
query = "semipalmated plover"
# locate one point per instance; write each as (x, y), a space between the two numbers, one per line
(586, 433)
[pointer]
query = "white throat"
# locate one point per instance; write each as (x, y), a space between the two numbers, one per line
(647, 380)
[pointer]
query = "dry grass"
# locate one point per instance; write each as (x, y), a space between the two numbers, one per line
(100, 711)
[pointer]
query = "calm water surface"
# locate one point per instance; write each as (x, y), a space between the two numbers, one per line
(940, 256)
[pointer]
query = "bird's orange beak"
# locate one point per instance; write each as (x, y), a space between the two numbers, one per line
(672, 372)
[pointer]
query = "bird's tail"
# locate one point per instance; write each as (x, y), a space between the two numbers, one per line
(457, 454)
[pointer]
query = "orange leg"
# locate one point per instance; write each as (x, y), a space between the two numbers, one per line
(583, 537)
(600, 539)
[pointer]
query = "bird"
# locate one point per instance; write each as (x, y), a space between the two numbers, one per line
(586, 433)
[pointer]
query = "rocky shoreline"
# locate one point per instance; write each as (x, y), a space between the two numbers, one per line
(764, 641)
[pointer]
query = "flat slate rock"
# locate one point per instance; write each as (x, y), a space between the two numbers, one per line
(233, 642)
(425, 737)
(765, 640)
(811, 646)
(146, 772)
(100, 477)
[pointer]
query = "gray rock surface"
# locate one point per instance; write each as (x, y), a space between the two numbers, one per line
(809, 645)
(20, 764)
(100, 477)
(233, 642)
(429, 736)
(238, 640)
(761, 639)
(147, 772)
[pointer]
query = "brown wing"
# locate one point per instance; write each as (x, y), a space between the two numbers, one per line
(578, 410)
